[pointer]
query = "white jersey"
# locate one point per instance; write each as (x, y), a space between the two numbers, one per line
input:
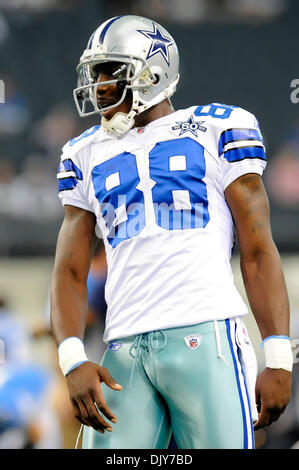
(158, 196)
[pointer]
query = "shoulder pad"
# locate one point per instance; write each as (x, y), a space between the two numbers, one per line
(225, 115)
(215, 110)
(82, 140)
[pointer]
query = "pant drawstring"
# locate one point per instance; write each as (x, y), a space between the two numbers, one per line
(78, 437)
(136, 344)
(145, 341)
(218, 342)
(151, 341)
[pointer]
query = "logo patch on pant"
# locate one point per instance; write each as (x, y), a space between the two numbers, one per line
(193, 341)
(114, 346)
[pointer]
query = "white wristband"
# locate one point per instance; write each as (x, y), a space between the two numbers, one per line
(71, 354)
(278, 352)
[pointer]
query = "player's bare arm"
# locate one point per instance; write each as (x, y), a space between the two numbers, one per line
(68, 315)
(264, 284)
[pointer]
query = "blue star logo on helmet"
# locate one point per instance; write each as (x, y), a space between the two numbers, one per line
(160, 43)
(190, 125)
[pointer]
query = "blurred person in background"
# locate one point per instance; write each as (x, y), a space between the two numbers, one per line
(194, 11)
(7, 176)
(34, 181)
(95, 323)
(28, 417)
(283, 175)
(14, 334)
(93, 343)
(37, 6)
(34, 185)
(49, 132)
(165, 188)
(15, 118)
(15, 115)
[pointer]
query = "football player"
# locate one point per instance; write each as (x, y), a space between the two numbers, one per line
(165, 189)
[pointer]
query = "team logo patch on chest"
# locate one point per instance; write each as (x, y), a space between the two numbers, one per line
(189, 126)
(193, 341)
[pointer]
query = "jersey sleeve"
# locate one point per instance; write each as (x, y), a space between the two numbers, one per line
(71, 179)
(241, 147)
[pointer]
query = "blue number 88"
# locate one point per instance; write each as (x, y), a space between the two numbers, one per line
(177, 169)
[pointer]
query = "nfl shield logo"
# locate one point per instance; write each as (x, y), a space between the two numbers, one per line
(193, 341)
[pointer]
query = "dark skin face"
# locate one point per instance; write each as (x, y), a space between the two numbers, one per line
(110, 94)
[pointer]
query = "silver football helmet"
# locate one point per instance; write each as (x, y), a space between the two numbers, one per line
(148, 61)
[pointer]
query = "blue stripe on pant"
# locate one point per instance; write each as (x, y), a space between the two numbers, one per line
(242, 386)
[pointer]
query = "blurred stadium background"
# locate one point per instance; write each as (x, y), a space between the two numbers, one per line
(241, 52)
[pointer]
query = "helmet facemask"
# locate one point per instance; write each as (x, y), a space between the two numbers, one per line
(132, 74)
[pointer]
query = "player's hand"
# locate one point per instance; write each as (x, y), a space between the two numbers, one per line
(273, 391)
(87, 397)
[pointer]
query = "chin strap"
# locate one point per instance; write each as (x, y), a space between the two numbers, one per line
(119, 124)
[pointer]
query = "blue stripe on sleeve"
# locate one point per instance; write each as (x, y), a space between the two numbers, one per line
(69, 165)
(241, 153)
(68, 182)
(233, 135)
(65, 184)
